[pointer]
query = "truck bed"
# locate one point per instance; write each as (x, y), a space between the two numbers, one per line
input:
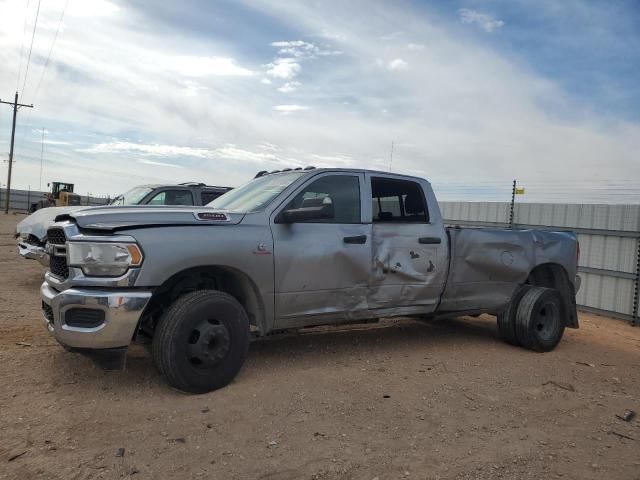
(486, 265)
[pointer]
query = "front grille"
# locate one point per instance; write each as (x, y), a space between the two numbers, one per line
(56, 236)
(47, 311)
(57, 261)
(58, 266)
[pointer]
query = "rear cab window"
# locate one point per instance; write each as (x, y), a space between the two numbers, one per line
(397, 201)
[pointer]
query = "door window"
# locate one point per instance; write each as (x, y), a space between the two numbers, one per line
(342, 191)
(172, 197)
(400, 201)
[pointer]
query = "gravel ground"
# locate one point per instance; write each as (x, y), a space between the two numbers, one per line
(396, 399)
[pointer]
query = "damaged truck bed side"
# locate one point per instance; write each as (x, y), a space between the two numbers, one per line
(288, 250)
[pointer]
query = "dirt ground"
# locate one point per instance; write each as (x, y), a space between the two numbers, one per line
(397, 399)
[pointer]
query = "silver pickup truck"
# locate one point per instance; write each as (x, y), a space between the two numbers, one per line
(287, 250)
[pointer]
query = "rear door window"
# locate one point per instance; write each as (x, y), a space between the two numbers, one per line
(397, 201)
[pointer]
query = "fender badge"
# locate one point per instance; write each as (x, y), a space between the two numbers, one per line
(220, 217)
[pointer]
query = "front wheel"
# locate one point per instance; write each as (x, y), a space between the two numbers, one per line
(540, 319)
(201, 341)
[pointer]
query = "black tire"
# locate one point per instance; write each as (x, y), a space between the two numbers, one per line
(507, 319)
(540, 319)
(201, 341)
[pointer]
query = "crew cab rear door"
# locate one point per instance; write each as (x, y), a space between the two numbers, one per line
(322, 266)
(409, 246)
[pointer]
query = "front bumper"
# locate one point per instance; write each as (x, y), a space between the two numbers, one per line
(118, 314)
(33, 252)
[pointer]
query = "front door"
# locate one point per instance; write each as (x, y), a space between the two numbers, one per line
(322, 266)
(408, 249)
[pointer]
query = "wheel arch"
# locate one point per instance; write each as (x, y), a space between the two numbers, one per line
(212, 277)
(554, 275)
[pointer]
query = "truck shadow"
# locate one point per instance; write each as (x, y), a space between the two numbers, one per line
(386, 336)
(311, 347)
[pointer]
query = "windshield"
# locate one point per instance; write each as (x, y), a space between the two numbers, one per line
(256, 194)
(131, 197)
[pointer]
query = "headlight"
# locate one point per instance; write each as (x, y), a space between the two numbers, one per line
(103, 259)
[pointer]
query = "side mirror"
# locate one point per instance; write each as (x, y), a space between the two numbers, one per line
(323, 211)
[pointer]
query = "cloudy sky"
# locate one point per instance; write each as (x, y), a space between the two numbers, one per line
(471, 93)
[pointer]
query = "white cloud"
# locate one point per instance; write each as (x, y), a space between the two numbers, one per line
(302, 49)
(227, 151)
(265, 81)
(289, 87)
(192, 66)
(415, 46)
(284, 68)
(272, 147)
(291, 53)
(290, 108)
(397, 64)
(233, 152)
(92, 8)
(153, 150)
(391, 36)
(159, 164)
(331, 160)
(485, 21)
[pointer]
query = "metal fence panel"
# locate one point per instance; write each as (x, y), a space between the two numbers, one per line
(608, 252)
(601, 217)
(22, 199)
(607, 294)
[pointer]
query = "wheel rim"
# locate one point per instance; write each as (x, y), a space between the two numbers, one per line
(547, 321)
(208, 344)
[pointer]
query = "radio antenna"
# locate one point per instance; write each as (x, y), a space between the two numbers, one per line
(391, 156)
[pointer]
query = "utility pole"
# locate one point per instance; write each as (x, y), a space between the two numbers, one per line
(15, 106)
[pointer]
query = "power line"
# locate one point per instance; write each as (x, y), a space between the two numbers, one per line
(33, 36)
(27, 124)
(46, 63)
(24, 32)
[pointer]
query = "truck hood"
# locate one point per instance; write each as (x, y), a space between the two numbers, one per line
(37, 223)
(112, 218)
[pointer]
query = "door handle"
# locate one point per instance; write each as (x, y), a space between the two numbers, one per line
(357, 239)
(430, 240)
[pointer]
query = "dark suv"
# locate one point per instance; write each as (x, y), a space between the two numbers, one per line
(189, 193)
